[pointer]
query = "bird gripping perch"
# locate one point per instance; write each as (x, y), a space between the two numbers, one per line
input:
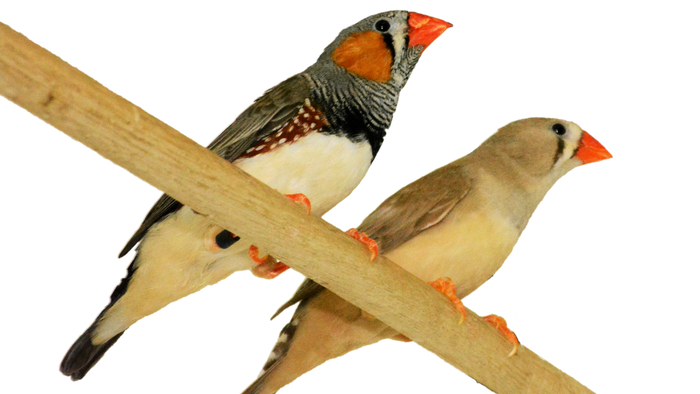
(69, 100)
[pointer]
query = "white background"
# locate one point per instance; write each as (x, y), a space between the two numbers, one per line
(603, 283)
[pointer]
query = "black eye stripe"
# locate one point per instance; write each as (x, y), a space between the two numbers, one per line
(389, 41)
(560, 151)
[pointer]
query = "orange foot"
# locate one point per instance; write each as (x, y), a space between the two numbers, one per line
(300, 198)
(402, 338)
(500, 324)
(269, 269)
(362, 237)
(254, 254)
(448, 288)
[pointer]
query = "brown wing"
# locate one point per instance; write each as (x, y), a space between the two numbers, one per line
(267, 115)
(415, 208)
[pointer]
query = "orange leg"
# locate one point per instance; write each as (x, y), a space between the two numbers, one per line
(300, 198)
(448, 288)
(500, 324)
(362, 237)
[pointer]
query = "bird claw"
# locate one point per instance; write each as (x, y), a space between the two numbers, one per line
(500, 324)
(448, 289)
(362, 237)
(254, 254)
(269, 269)
(302, 199)
(402, 338)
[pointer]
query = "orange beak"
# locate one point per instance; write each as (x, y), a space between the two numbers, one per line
(423, 29)
(590, 150)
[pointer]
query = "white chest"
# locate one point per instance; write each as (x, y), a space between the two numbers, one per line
(325, 168)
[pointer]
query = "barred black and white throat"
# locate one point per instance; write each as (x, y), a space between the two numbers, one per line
(359, 103)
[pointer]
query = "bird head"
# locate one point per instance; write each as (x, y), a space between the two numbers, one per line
(382, 48)
(548, 147)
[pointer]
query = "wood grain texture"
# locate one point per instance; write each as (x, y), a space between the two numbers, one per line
(69, 100)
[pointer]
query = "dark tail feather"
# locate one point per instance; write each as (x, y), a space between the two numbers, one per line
(276, 356)
(256, 386)
(83, 355)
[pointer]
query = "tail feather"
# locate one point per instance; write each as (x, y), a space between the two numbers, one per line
(279, 351)
(83, 355)
(323, 327)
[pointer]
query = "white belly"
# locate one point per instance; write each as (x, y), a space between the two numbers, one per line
(325, 168)
(174, 259)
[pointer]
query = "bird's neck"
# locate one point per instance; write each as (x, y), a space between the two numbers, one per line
(520, 190)
(360, 109)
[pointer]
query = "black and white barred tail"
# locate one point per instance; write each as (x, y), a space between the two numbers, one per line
(279, 351)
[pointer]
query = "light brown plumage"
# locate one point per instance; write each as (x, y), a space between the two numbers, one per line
(460, 221)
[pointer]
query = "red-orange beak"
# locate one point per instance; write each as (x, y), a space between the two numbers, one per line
(423, 29)
(590, 150)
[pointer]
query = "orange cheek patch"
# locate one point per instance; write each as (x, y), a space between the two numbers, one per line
(366, 55)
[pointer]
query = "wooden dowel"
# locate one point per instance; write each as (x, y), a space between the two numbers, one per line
(69, 100)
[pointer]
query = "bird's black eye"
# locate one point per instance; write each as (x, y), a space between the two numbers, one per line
(382, 25)
(559, 129)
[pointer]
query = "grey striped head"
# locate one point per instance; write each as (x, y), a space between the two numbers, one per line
(381, 48)
(360, 74)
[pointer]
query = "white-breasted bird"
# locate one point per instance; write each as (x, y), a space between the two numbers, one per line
(460, 221)
(312, 137)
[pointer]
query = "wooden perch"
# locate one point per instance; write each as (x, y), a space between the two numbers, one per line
(69, 100)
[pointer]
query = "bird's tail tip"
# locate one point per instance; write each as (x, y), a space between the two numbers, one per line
(83, 355)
